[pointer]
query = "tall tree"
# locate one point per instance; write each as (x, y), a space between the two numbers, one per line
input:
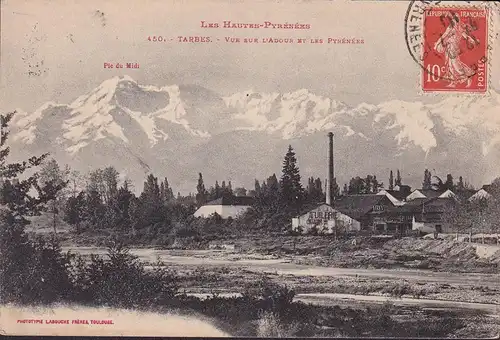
(449, 182)
(124, 199)
(438, 184)
(227, 191)
(110, 178)
(218, 190)
(376, 185)
(272, 183)
(150, 205)
(163, 193)
(54, 181)
(391, 181)
(291, 190)
(74, 211)
(357, 186)
(335, 188)
(201, 195)
(267, 201)
(151, 191)
(315, 190)
(95, 210)
(76, 182)
(240, 191)
(398, 180)
(105, 182)
(168, 192)
(427, 182)
(369, 184)
(460, 184)
(257, 186)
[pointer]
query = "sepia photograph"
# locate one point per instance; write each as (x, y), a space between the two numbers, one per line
(263, 168)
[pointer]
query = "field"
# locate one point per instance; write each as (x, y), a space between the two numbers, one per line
(411, 281)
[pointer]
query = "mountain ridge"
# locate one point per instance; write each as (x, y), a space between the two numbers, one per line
(170, 128)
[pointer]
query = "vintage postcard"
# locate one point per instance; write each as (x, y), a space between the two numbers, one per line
(250, 168)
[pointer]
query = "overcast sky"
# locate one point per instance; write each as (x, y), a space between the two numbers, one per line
(73, 40)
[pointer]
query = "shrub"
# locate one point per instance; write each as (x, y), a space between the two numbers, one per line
(270, 325)
(31, 272)
(272, 297)
(122, 280)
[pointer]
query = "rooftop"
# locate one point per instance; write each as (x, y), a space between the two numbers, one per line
(356, 206)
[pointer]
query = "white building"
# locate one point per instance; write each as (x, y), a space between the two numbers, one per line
(324, 219)
(225, 207)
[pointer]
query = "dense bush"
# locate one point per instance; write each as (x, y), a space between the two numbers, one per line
(121, 280)
(31, 271)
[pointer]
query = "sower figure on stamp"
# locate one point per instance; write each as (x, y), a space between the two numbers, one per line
(449, 44)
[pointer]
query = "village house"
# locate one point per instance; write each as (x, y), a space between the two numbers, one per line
(397, 195)
(231, 206)
(367, 209)
(429, 214)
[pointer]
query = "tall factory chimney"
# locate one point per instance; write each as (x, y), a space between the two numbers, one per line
(329, 188)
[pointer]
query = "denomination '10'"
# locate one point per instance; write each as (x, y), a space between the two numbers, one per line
(434, 72)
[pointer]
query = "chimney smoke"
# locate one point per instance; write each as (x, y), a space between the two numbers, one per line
(331, 174)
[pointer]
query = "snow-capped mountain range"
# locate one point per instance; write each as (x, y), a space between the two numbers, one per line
(180, 130)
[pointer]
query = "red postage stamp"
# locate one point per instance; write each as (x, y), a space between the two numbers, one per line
(455, 53)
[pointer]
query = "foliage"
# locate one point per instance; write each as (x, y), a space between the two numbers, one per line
(274, 297)
(367, 185)
(476, 216)
(398, 180)
(30, 271)
(291, 190)
(121, 280)
(427, 182)
(201, 196)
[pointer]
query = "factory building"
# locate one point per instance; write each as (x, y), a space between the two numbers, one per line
(326, 218)
(397, 211)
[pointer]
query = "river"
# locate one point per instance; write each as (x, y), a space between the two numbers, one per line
(283, 266)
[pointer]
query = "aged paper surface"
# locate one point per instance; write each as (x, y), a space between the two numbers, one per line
(250, 168)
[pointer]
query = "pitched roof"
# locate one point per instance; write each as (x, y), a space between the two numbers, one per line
(232, 200)
(357, 206)
(428, 193)
(428, 205)
(398, 194)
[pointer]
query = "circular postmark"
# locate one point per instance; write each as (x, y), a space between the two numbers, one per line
(448, 42)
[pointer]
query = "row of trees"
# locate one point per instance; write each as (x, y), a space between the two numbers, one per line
(449, 184)
(104, 202)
